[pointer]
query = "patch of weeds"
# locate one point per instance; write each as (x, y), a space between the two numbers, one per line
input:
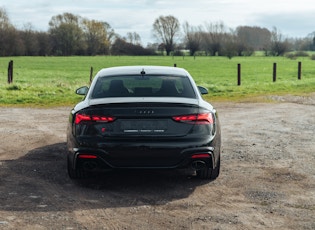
(214, 89)
(13, 87)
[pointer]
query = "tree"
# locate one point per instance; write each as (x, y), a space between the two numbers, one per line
(44, 44)
(122, 47)
(98, 36)
(279, 45)
(253, 37)
(30, 41)
(4, 19)
(133, 38)
(8, 35)
(214, 37)
(192, 38)
(309, 42)
(166, 30)
(66, 34)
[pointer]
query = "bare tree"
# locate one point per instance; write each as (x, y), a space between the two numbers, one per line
(8, 36)
(4, 19)
(214, 37)
(193, 38)
(30, 40)
(311, 38)
(44, 44)
(133, 38)
(166, 29)
(253, 37)
(279, 44)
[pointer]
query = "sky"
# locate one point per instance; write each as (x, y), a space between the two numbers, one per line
(292, 18)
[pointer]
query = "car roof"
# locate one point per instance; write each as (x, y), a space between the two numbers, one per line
(134, 70)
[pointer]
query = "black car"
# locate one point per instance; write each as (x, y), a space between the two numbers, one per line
(143, 117)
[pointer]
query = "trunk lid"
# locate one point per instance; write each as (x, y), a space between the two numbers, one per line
(134, 119)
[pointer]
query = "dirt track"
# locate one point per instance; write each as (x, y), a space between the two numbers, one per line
(267, 179)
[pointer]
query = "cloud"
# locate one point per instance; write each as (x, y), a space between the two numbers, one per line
(293, 24)
(292, 18)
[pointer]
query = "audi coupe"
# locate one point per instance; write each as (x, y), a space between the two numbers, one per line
(143, 117)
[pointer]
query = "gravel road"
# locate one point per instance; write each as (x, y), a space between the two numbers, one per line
(267, 179)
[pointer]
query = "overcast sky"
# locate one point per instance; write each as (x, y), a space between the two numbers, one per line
(292, 18)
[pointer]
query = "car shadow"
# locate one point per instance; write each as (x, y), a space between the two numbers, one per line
(39, 181)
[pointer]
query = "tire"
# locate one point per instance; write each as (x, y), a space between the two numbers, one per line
(204, 173)
(216, 171)
(209, 173)
(78, 173)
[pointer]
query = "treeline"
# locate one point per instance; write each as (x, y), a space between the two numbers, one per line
(70, 34)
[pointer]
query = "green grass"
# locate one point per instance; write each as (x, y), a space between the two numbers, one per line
(51, 81)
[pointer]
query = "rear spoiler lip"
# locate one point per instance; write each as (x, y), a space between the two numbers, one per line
(124, 100)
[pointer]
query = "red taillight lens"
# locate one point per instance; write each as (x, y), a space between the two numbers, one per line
(103, 118)
(202, 118)
(87, 156)
(96, 118)
(81, 117)
(200, 155)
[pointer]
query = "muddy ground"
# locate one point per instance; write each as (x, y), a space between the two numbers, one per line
(267, 179)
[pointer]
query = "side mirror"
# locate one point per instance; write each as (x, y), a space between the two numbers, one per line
(202, 90)
(82, 90)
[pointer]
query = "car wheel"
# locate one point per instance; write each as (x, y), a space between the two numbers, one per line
(216, 171)
(209, 173)
(78, 173)
(204, 173)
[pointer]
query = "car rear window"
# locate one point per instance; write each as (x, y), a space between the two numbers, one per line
(143, 86)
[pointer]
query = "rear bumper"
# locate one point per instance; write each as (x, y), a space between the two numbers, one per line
(142, 158)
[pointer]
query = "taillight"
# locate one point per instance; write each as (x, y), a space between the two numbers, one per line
(202, 118)
(200, 155)
(94, 118)
(87, 156)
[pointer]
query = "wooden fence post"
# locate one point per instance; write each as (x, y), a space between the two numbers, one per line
(91, 74)
(299, 70)
(175, 65)
(274, 72)
(10, 72)
(238, 74)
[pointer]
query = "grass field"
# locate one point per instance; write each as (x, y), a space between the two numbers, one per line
(51, 81)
